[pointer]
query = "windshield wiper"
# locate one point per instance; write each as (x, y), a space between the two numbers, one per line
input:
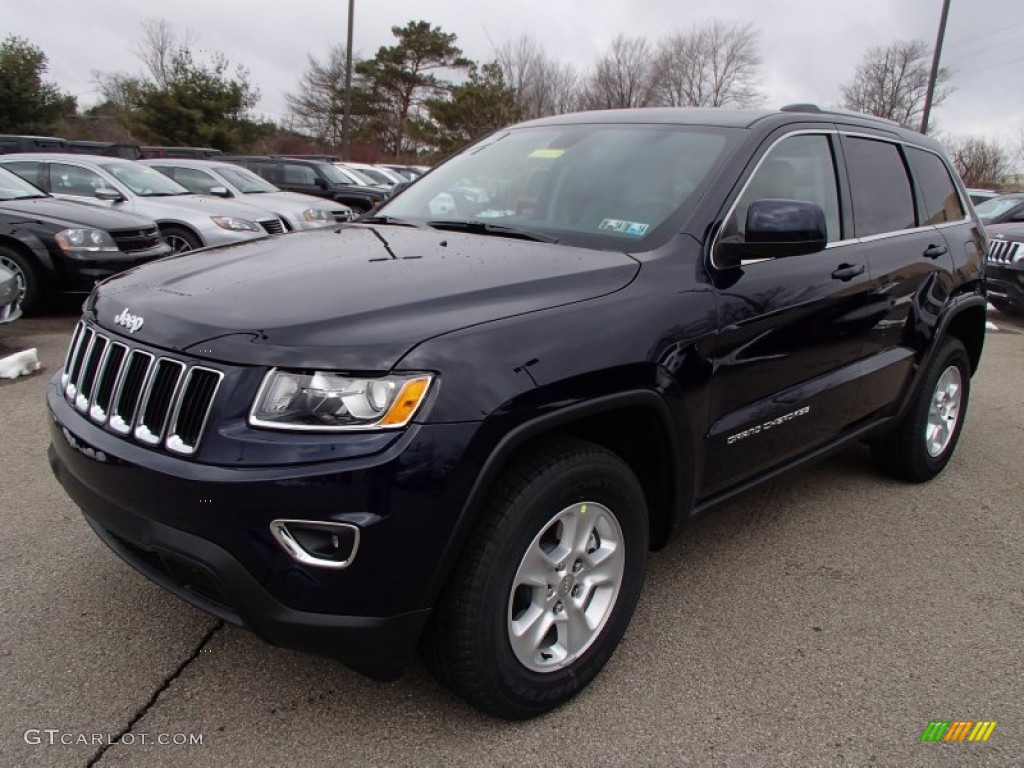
(486, 228)
(394, 220)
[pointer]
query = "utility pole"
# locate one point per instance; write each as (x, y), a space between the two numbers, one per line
(346, 123)
(935, 68)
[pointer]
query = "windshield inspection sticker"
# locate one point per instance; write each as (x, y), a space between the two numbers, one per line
(549, 153)
(635, 228)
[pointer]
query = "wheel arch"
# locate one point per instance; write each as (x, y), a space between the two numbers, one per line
(163, 224)
(29, 245)
(636, 425)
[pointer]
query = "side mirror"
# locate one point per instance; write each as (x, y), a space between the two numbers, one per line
(220, 192)
(397, 188)
(106, 193)
(776, 229)
(320, 182)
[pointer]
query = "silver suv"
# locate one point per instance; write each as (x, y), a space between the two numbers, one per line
(215, 177)
(186, 221)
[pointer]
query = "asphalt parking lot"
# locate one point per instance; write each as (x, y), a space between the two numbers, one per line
(824, 619)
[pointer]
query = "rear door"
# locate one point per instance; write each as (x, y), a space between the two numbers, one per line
(790, 329)
(297, 177)
(897, 224)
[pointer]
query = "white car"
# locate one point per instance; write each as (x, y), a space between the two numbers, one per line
(215, 177)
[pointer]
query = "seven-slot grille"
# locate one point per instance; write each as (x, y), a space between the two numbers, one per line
(272, 226)
(133, 392)
(1004, 251)
(342, 215)
(132, 240)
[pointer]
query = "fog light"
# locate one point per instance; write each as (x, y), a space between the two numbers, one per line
(311, 542)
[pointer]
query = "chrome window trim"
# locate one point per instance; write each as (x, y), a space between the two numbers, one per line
(850, 240)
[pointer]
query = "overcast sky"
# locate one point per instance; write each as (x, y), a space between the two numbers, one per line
(809, 47)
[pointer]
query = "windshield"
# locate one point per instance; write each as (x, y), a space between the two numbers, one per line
(603, 186)
(13, 187)
(246, 182)
(996, 207)
(144, 181)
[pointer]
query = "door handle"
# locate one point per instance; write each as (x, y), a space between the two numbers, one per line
(846, 272)
(934, 251)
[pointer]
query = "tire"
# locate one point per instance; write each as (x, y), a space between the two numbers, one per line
(34, 293)
(180, 239)
(1004, 306)
(923, 442)
(476, 644)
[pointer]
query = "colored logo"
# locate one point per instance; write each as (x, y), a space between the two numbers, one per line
(958, 730)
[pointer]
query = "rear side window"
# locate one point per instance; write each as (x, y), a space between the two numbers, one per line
(29, 170)
(941, 201)
(879, 187)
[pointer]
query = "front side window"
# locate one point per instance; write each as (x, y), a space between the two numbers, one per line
(797, 168)
(143, 180)
(299, 174)
(879, 187)
(245, 181)
(941, 201)
(75, 180)
(199, 182)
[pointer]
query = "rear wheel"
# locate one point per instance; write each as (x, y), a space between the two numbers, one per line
(547, 585)
(921, 446)
(32, 292)
(180, 239)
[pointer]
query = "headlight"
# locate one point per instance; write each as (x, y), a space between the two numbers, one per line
(318, 216)
(85, 240)
(334, 402)
(235, 225)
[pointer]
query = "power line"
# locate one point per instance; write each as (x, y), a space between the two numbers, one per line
(976, 52)
(986, 34)
(991, 66)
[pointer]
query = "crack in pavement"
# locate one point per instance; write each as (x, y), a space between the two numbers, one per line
(218, 625)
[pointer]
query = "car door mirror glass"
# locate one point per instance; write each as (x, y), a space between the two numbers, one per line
(777, 228)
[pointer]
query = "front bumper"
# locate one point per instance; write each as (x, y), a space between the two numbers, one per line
(81, 271)
(1006, 282)
(202, 532)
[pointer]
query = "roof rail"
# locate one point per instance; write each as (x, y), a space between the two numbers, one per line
(814, 108)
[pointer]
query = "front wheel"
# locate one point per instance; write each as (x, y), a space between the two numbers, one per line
(180, 239)
(923, 442)
(548, 583)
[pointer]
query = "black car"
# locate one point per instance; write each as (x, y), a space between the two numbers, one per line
(1005, 268)
(11, 144)
(312, 177)
(465, 433)
(57, 246)
(1004, 209)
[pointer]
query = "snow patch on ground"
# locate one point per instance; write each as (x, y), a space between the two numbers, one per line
(990, 326)
(19, 364)
(990, 308)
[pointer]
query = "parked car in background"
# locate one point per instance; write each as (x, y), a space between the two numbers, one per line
(10, 293)
(1005, 267)
(409, 172)
(186, 221)
(1002, 209)
(383, 177)
(105, 148)
(53, 245)
(981, 195)
(191, 152)
(215, 177)
(10, 144)
(313, 177)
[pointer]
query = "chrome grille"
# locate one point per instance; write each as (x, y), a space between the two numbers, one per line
(342, 215)
(1004, 251)
(155, 400)
(272, 226)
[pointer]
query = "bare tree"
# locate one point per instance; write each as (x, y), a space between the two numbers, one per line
(317, 108)
(160, 41)
(715, 64)
(624, 77)
(892, 82)
(980, 162)
(542, 85)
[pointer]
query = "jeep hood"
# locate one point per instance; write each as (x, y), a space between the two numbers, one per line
(355, 299)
